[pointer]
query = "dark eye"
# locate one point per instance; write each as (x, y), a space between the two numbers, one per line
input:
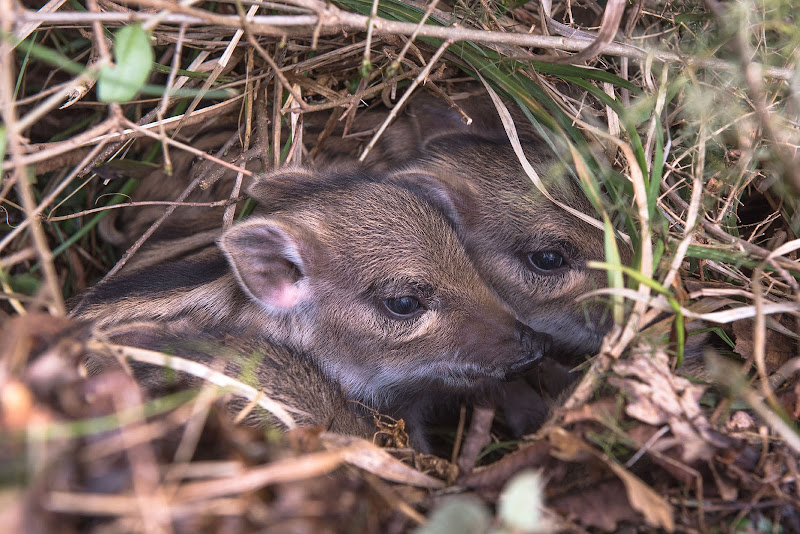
(546, 260)
(403, 306)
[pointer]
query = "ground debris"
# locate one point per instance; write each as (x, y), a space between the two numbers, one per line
(108, 459)
(710, 142)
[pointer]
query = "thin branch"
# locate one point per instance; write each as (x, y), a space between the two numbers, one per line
(179, 201)
(23, 185)
(36, 214)
(47, 151)
(188, 148)
(336, 20)
(279, 410)
(396, 109)
(218, 203)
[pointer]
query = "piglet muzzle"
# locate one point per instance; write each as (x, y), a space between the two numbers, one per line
(535, 346)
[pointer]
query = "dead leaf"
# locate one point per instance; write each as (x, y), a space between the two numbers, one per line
(656, 510)
(599, 506)
(658, 397)
(779, 348)
(740, 421)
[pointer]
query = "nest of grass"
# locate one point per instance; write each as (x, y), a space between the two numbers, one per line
(682, 125)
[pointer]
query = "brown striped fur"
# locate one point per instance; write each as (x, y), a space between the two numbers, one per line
(473, 175)
(311, 272)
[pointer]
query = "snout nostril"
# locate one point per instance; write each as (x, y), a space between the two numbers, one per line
(523, 332)
(531, 340)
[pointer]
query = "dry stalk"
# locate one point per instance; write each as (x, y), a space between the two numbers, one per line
(14, 142)
(334, 20)
(403, 99)
(280, 411)
(218, 203)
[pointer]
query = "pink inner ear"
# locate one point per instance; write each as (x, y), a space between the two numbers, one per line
(283, 295)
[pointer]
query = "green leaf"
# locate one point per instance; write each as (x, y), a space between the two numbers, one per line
(2, 146)
(134, 58)
(520, 504)
(25, 283)
(457, 515)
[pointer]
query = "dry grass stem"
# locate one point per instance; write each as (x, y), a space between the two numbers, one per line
(278, 410)
(680, 127)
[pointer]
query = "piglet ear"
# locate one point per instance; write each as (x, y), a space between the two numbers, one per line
(453, 196)
(272, 188)
(434, 117)
(268, 261)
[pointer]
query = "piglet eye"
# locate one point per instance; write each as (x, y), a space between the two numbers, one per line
(404, 306)
(546, 260)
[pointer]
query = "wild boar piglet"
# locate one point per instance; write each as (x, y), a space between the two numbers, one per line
(354, 274)
(532, 252)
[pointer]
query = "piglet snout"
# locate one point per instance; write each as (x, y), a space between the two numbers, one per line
(535, 346)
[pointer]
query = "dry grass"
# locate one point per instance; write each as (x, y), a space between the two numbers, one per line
(683, 132)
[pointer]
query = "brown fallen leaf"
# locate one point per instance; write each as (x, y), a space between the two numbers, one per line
(657, 396)
(779, 348)
(656, 510)
(529, 455)
(599, 506)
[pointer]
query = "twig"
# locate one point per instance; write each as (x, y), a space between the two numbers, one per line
(759, 323)
(17, 257)
(57, 98)
(753, 79)
(694, 207)
(280, 411)
(373, 14)
(612, 17)
(277, 97)
(276, 69)
(334, 20)
(47, 151)
(727, 375)
(23, 31)
(218, 203)
(179, 201)
(462, 419)
(393, 499)
(145, 474)
(222, 63)
(727, 239)
(254, 478)
(350, 100)
(396, 63)
(188, 148)
(14, 146)
(396, 109)
(478, 436)
(183, 119)
(164, 104)
(36, 214)
(230, 210)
